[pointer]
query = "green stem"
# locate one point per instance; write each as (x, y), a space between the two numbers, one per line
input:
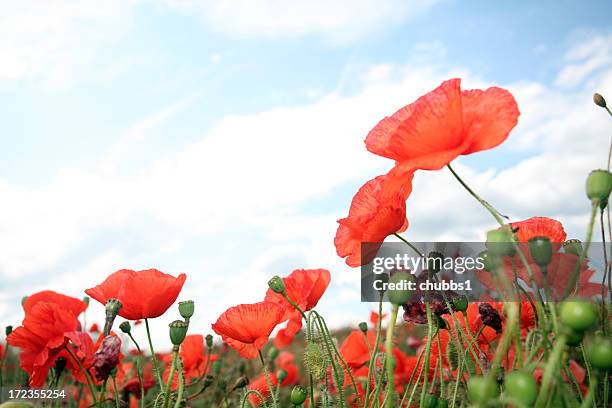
(85, 373)
(181, 380)
(549, 370)
(154, 357)
(389, 351)
(168, 387)
(576, 272)
(139, 370)
(375, 351)
(415, 249)
(117, 403)
(427, 352)
(588, 400)
(265, 369)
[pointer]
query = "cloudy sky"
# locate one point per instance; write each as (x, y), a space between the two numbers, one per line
(224, 138)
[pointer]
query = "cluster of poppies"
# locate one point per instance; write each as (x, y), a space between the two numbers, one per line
(540, 338)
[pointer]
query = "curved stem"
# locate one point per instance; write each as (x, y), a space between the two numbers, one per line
(415, 249)
(549, 370)
(374, 353)
(117, 403)
(139, 370)
(576, 272)
(265, 369)
(85, 373)
(181, 380)
(170, 378)
(389, 351)
(427, 351)
(154, 357)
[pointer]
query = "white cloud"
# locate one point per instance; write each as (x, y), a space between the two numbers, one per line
(585, 59)
(340, 20)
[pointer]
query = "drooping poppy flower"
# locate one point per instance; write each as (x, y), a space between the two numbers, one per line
(246, 327)
(260, 384)
(377, 211)
(305, 287)
(46, 330)
(69, 303)
(442, 125)
(286, 361)
(143, 294)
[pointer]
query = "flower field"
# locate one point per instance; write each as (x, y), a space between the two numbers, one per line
(539, 338)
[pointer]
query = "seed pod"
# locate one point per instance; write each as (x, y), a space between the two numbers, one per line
(277, 285)
(178, 331)
(540, 249)
(186, 309)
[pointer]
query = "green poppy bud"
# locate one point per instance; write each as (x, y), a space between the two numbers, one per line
(599, 185)
(272, 353)
(277, 285)
(499, 242)
(398, 291)
(540, 249)
(435, 261)
(112, 308)
(461, 303)
(573, 246)
(241, 382)
(209, 341)
(599, 100)
(8, 330)
(186, 309)
(489, 261)
(125, 327)
(216, 367)
(363, 326)
(178, 331)
(86, 300)
(281, 375)
(298, 395)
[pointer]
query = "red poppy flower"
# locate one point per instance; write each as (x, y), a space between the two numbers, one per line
(260, 384)
(377, 211)
(194, 358)
(355, 350)
(74, 305)
(143, 294)
(46, 329)
(286, 361)
(305, 287)
(539, 227)
(246, 327)
(374, 317)
(443, 124)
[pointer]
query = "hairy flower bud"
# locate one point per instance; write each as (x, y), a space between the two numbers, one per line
(461, 303)
(277, 285)
(281, 375)
(107, 357)
(178, 331)
(298, 395)
(209, 341)
(125, 327)
(490, 317)
(112, 308)
(315, 361)
(186, 309)
(398, 294)
(8, 330)
(363, 326)
(599, 100)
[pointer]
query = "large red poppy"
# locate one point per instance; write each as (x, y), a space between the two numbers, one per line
(443, 124)
(305, 287)
(354, 349)
(74, 305)
(46, 330)
(143, 294)
(377, 211)
(246, 327)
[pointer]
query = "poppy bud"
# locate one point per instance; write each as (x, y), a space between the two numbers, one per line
(315, 361)
(499, 242)
(178, 331)
(398, 293)
(8, 330)
(540, 249)
(599, 100)
(125, 327)
(113, 306)
(241, 382)
(435, 261)
(277, 285)
(573, 246)
(281, 375)
(209, 341)
(490, 317)
(86, 300)
(216, 367)
(599, 185)
(461, 303)
(107, 357)
(272, 353)
(298, 395)
(363, 326)
(186, 309)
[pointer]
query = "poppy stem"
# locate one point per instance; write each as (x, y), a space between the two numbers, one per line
(265, 369)
(117, 403)
(85, 373)
(181, 380)
(153, 357)
(171, 377)
(427, 352)
(415, 249)
(389, 350)
(550, 369)
(139, 370)
(576, 272)
(373, 353)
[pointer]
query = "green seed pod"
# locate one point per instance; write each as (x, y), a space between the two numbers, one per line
(461, 303)
(178, 331)
(363, 326)
(209, 341)
(272, 353)
(599, 185)
(573, 246)
(499, 242)
(277, 285)
(540, 249)
(298, 395)
(186, 309)
(398, 292)
(125, 327)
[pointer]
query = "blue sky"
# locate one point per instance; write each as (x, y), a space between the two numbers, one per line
(223, 139)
